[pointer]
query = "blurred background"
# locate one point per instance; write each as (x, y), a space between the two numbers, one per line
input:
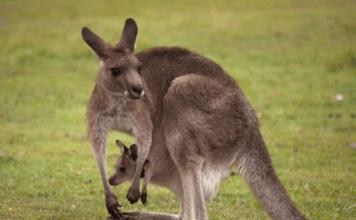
(295, 61)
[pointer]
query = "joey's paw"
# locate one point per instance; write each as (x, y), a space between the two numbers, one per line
(112, 205)
(144, 198)
(133, 195)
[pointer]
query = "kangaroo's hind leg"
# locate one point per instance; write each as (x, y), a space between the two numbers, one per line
(190, 125)
(189, 166)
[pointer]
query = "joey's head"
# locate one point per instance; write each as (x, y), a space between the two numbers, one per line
(119, 72)
(125, 165)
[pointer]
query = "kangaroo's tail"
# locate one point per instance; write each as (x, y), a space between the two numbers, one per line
(255, 166)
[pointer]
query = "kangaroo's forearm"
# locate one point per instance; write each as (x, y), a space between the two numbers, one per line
(97, 135)
(143, 150)
(101, 161)
(97, 132)
(98, 141)
(143, 134)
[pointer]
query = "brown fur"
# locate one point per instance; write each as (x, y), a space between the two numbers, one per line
(194, 116)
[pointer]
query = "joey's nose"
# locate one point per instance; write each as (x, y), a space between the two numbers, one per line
(136, 91)
(111, 180)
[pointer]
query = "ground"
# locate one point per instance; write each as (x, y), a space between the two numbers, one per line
(295, 61)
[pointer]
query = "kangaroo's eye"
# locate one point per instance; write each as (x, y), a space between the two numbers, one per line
(115, 71)
(139, 69)
(122, 169)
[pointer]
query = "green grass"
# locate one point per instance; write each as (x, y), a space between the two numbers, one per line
(291, 58)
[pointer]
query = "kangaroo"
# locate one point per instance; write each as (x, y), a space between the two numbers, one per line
(126, 165)
(119, 102)
(175, 99)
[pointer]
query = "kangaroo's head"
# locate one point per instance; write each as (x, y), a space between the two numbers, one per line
(119, 73)
(125, 165)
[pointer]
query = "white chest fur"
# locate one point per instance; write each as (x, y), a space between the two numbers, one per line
(211, 178)
(121, 117)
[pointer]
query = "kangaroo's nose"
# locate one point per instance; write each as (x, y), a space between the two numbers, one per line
(136, 91)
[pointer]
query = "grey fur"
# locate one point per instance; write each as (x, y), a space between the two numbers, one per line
(118, 102)
(194, 117)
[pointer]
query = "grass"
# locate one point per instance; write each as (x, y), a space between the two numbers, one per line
(291, 58)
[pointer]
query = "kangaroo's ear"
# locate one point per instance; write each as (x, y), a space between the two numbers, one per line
(96, 43)
(133, 152)
(123, 148)
(129, 34)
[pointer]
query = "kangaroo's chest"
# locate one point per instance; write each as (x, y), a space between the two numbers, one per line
(121, 118)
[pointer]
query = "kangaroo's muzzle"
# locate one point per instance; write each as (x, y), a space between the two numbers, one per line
(136, 92)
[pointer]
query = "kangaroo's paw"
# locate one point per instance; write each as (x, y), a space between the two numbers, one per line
(133, 195)
(112, 205)
(144, 198)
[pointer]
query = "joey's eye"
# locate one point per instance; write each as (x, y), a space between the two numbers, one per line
(122, 169)
(115, 71)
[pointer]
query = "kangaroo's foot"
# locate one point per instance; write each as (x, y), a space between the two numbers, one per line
(148, 216)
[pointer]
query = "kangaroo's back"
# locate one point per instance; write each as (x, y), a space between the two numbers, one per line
(161, 65)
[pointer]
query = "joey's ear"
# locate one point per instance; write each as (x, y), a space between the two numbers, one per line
(133, 152)
(129, 34)
(123, 148)
(95, 42)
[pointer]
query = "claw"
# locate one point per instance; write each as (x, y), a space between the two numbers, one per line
(144, 198)
(112, 205)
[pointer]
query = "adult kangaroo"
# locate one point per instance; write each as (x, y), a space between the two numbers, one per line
(175, 99)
